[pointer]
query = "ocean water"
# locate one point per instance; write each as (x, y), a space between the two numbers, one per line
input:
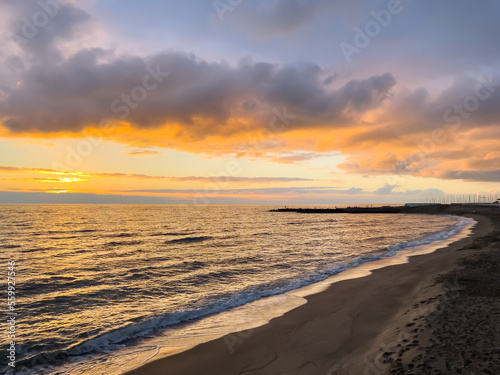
(96, 285)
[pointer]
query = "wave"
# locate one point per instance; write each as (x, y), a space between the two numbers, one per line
(62, 238)
(9, 246)
(138, 276)
(189, 239)
(121, 235)
(453, 230)
(122, 243)
(64, 232)
(193, 265)
(116, 338)
(37, 249)
(172, 234)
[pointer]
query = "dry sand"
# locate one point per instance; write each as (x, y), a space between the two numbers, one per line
(437, 314)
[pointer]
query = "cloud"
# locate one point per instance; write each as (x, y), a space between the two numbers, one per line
(354, 190)
(241, 179)
(419, 135)
(61, 89)
(202, 98)
(6, 168)
(49, 179)
(486, 175)
(320, 190)
(425, 192)
(143, 153)
(257, 180)
(282, 192)
(295, 157)
(386, 189)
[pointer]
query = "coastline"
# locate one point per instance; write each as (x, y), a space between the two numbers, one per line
(342, 330)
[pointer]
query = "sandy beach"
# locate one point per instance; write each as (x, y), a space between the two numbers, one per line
(437, 314)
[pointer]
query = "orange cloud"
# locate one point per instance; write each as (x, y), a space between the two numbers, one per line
(143, 153)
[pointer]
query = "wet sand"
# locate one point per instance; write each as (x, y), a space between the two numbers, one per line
(437, 314)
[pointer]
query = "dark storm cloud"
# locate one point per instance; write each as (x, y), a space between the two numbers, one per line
(67, 94)
(82, 90)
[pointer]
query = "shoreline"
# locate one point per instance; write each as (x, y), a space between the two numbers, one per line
(322, 336)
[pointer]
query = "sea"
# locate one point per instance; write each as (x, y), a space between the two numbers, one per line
(101, 289)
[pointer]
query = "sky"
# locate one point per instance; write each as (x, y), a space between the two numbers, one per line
(248, 101)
